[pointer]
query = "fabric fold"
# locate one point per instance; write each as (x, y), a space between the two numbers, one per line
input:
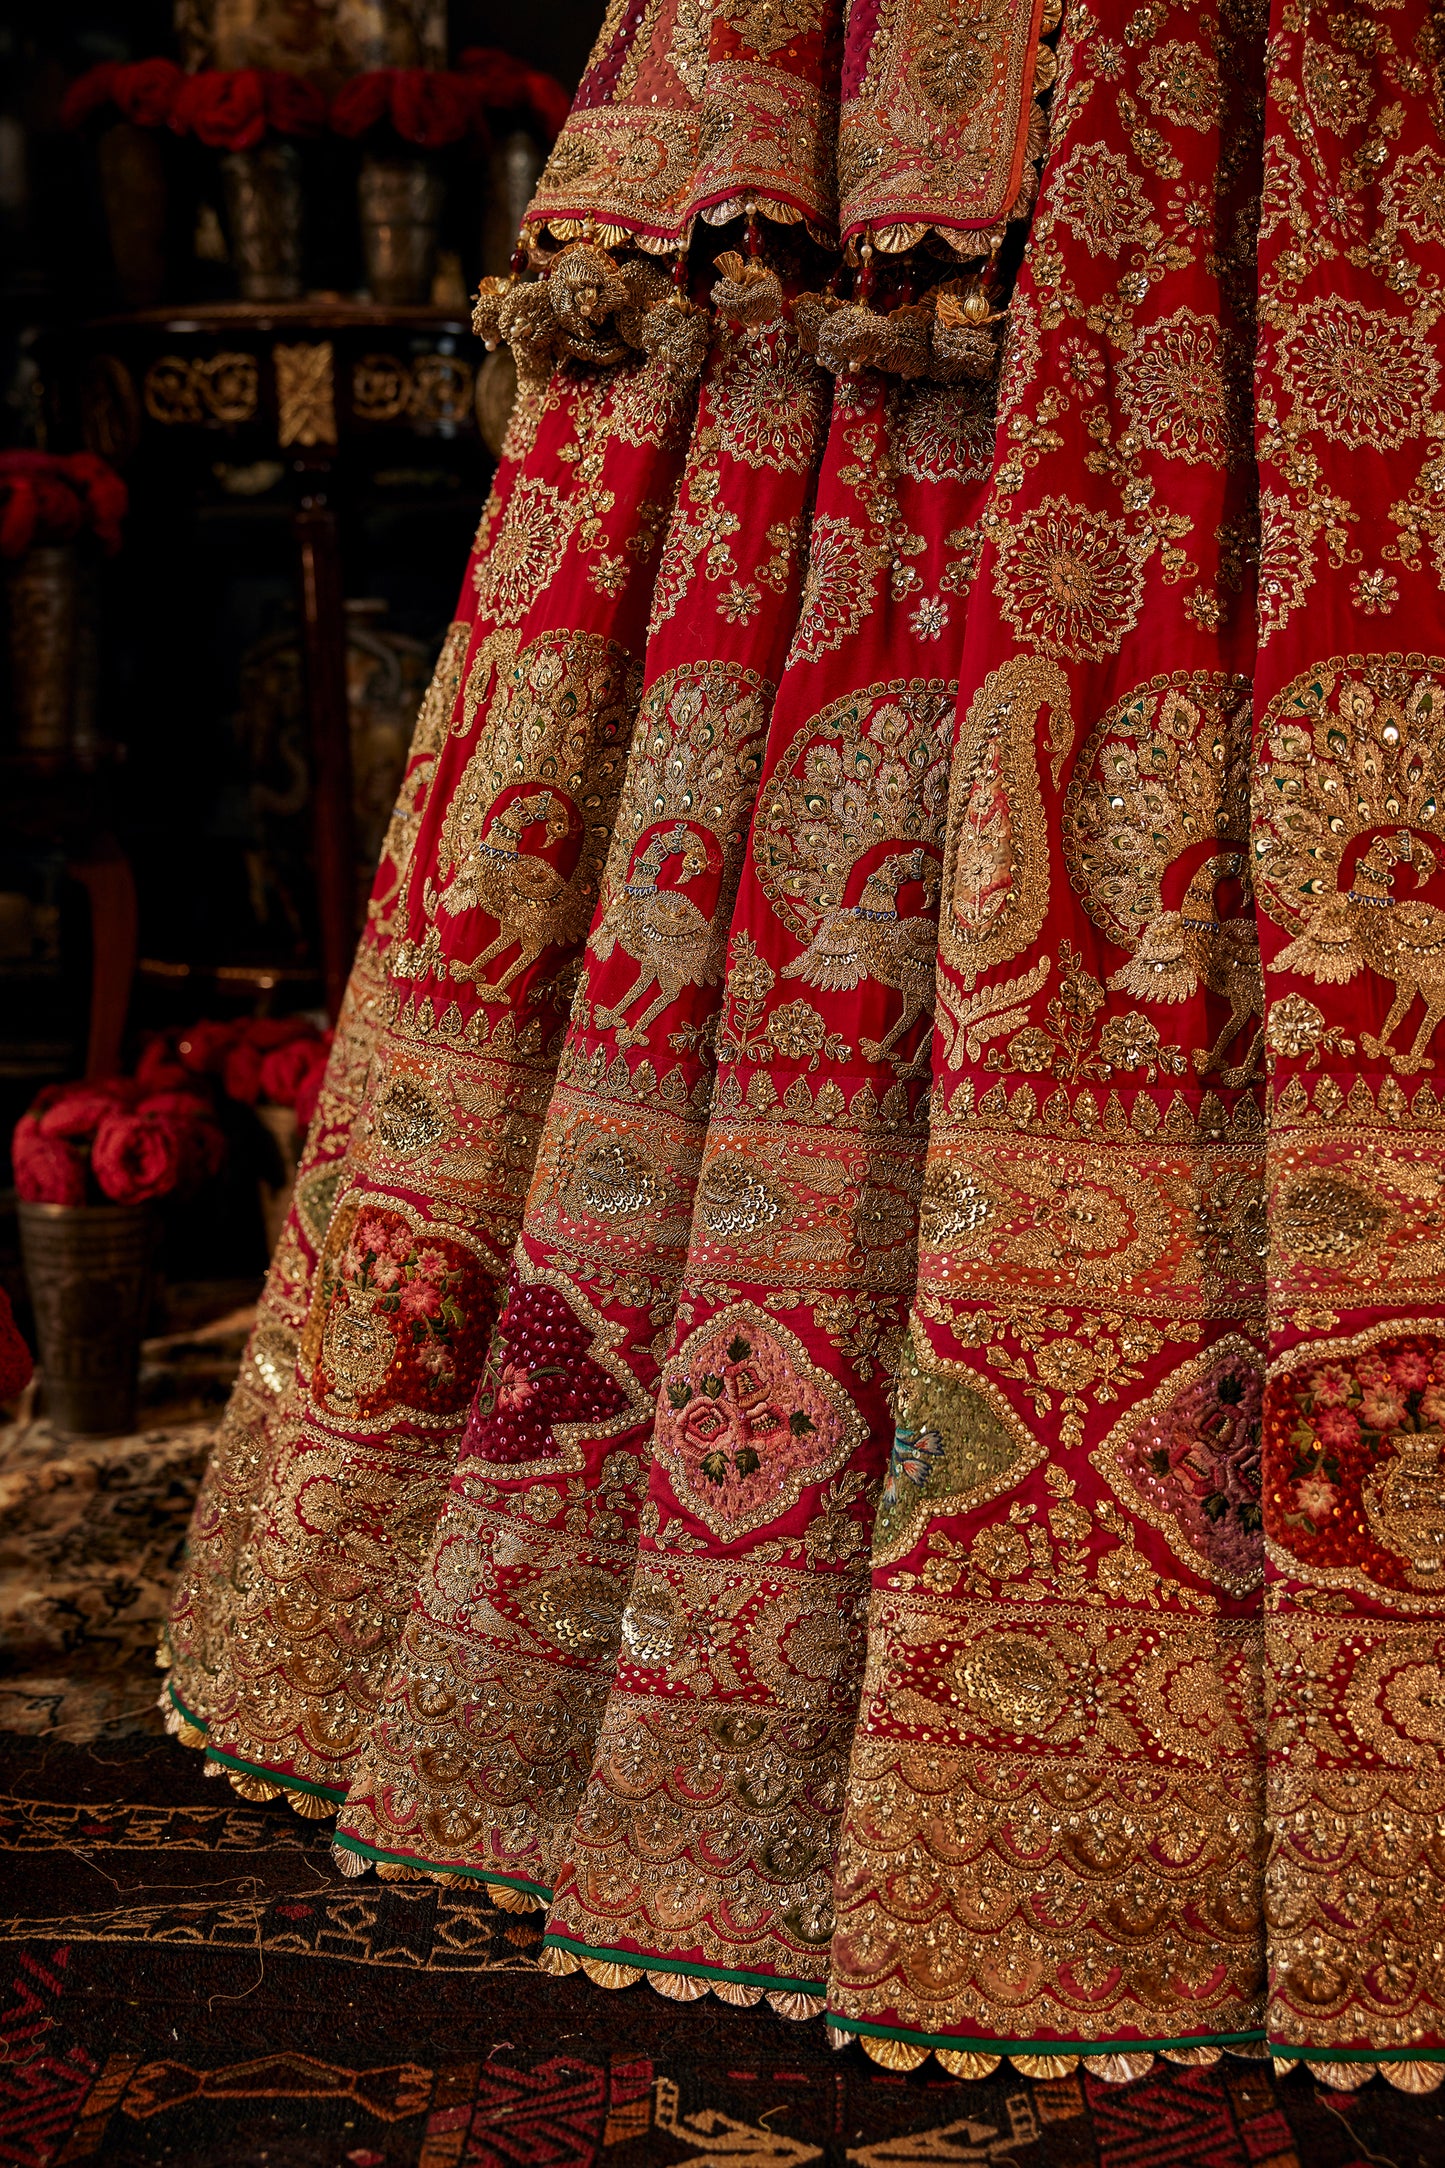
(1053, 1824)
(702, 1851)
(480, 1755)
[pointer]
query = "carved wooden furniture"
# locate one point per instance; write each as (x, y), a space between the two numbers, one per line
(306, 384)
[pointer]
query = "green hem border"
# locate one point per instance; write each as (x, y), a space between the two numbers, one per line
(275, 1776)
(198, 1723)
(1284, 2053)
(693, 1971)
(363, 1850)
(863, 2026)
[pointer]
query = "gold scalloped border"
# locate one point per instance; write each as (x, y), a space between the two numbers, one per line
(682, 1986)
(1117, 2067)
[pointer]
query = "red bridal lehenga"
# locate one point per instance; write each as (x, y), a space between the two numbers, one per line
(853, 1403)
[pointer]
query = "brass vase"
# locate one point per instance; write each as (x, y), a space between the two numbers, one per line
(88, 1268)
(513, 171)
(400, 201)
(278, 1184)
(263, 212)
(50, 593)
(133, 192)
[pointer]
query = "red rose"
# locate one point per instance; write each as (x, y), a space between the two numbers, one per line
(106, 496)
(59, 511)
(429, 108)
(136, 1157)
(241, 1075)
(158, 1069)
(78, 1115)
(203, 1047)
(18, 520)
(47, 1170)
(264, 1032)
(145, 91)
(294, 106)
(16, 1366)
(181, 1105)
(549, 102)
(499, 78)
(224, 108)
(285, 1069)
(203, 1147)
(88, 94)
(362, 103)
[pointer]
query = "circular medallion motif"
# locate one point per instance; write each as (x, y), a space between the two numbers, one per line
(1362, 377)
(1070, 582)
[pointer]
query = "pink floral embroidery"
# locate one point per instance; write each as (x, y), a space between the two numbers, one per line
(740, 1422)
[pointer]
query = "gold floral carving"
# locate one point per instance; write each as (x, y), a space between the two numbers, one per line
(305, 393)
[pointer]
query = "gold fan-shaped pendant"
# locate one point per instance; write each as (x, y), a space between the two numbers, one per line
(1414, 2077)
(895, 2054)
(1120, 2069)
(678, 1986)
(789, 2003)
(602, 1972)
(967, 2062)
(1045, 2066)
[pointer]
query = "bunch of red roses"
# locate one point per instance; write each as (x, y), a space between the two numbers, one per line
(54, 496)
(228, 109)
(233, 109)
(117, 1142)
(129, 1139)
(277, 1058)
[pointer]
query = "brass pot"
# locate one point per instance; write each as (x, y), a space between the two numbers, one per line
(263, 211)
(400, 200)
(88, 1268)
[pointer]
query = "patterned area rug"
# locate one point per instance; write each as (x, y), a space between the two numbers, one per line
(185, 1979)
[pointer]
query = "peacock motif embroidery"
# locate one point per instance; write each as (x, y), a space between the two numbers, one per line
(1157, 809)
(1347, 807)
(848, 843)
(691, 782)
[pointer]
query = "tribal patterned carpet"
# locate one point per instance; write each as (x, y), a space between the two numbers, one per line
(185, 1979)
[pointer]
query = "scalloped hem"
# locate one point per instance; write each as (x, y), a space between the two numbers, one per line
(182, 1723)
(680, 1980)
(251, 1781)
(1344, 2070)
(355, 1857)
(1125, 2061)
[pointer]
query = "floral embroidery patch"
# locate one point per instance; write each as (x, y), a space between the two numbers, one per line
(746, 1421)
(1187, 1462)
(400, 1320)
(1355, 1459)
